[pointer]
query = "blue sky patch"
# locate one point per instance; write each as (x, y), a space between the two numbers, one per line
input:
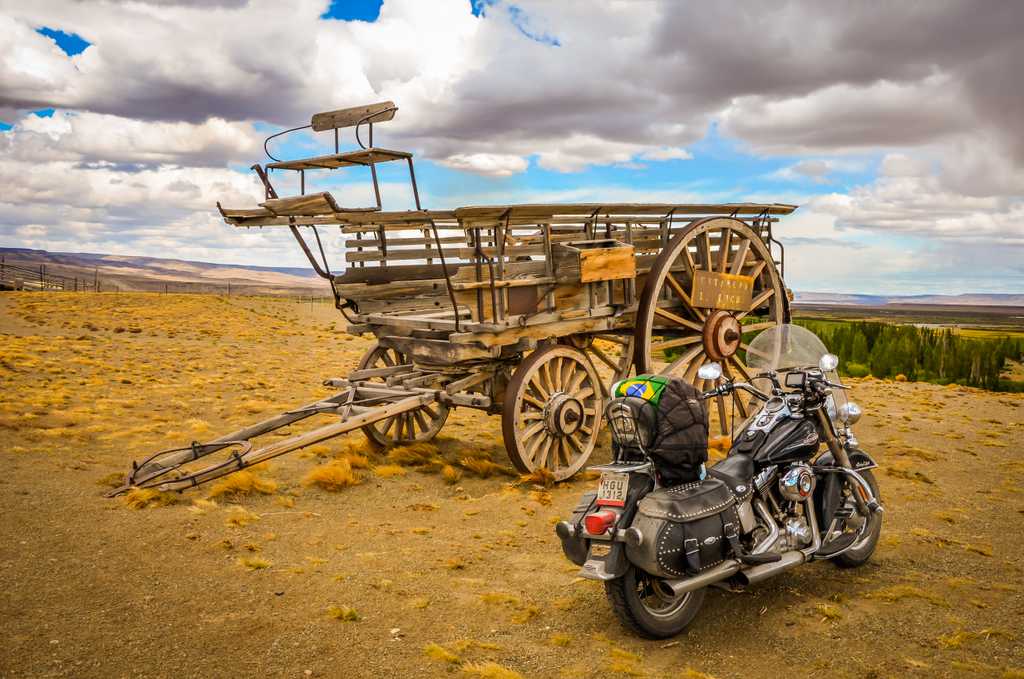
(70, 43)
(353, 10)
(5, 126)
(522, 22)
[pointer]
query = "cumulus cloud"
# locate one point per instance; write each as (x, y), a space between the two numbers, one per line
(169, 93)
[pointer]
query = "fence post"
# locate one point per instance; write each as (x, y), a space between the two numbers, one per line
(41, 276)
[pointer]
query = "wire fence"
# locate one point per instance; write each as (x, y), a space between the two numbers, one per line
(19, 276)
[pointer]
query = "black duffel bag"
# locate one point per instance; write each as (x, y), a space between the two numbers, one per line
(686, 529)
(680, 445)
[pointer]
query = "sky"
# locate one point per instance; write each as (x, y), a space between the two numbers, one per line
(898, 131)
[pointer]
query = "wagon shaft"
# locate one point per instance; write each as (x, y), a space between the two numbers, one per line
(511, 309)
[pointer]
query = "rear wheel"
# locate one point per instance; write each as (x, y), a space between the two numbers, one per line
(861, 550)
(647, 606)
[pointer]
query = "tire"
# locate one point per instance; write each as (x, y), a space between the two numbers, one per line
(861, 551)
(639, 617)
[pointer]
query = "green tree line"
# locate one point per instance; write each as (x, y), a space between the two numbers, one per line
(921, 354)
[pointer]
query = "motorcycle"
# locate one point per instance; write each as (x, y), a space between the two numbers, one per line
(795, 487)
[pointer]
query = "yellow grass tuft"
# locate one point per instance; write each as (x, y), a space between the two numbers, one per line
(542, 476)
(482, 468)
(490, 670)
(900, 378)
(560, 639)
(828, 611)
(201, 506)
(333, 476)
(900, 592)
(253, 563)
(112, 480)
(690, 673)
(455, 564)
(147, 498)
(414, 454)
(541, 497)
(500, 598)
(356, 460)
(440, 654)
(245, 482)
(450, 474)
(420, 602)
(387, 471)
(623, 662)
(240, 516)
(525, 614)
(343, 613)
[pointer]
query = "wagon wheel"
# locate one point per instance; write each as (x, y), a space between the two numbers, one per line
(675, 337)
(618, 358)
(552, 412)
(413, 426)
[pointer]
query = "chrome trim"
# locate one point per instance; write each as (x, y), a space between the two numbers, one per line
(859, 480)
(772, 525)
(622, 467)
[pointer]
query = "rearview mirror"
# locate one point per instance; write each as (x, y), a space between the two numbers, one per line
(828, 363)
(710, 371)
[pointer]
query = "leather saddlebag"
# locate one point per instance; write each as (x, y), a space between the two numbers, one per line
(686, 529)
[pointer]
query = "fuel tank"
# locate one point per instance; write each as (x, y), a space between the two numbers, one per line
(786, 440)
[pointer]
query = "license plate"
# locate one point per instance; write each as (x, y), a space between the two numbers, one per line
(612, 491)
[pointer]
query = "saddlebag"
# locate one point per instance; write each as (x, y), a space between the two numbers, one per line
(686, 529)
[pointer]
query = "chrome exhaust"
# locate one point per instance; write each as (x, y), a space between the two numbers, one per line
(755, 574)
(710, 577)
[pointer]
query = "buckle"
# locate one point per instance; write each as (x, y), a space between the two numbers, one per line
(687, 544)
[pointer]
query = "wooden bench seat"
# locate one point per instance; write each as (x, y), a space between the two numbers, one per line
(370, 156)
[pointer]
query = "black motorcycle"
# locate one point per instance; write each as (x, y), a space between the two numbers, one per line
(778, 500)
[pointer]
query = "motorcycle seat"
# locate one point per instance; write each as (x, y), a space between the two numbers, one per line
(737, 472)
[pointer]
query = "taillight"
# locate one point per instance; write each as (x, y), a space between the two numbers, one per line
(599, 522)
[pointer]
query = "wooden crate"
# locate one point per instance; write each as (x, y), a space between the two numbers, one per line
(589, 261)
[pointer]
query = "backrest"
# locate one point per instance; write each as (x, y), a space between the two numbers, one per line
(348, 117)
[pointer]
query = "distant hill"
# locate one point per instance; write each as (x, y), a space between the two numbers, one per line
(122, 272)
(968, 299)
(130, 273)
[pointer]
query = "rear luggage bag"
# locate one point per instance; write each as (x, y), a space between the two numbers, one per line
(686, 529)
(680, 446)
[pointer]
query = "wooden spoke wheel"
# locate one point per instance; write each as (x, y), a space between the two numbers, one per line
(414, 426)
(678, 330)
(552, 412)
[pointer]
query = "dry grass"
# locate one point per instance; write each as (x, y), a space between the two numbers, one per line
(414, 454)
(440, 654)
(253, 563)
(542, 476)
(245, 482)
(333, 476)
(490, 670)
(343, 613)
(897, 593)
(450, 474)
(387, 471)
(560, 639)
(147, 498)
(240, 516)
(485, 469)
(202, 506)
(828, 612)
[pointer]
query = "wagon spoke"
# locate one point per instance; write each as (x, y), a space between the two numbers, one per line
(677, 287)
(741, 257)
(675, 342)
(705, 251)
(685, 359)
(678, 320)
(724, 249)
(758, 301)
(755, 327)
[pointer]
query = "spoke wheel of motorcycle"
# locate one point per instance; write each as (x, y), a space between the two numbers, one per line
(645, 605)
(860, 551)
(552, 412)
(414, 426)
(676, 332)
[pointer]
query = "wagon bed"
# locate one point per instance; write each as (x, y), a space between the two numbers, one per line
(511, 308)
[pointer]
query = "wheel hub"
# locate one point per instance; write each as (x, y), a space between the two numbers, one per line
(563, 414)
(722, 333)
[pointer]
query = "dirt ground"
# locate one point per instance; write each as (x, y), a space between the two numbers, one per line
(412, 573)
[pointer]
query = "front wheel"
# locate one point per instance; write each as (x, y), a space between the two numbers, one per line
(647, 606)
(861, 550)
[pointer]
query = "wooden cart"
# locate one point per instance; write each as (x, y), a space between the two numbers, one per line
(511, 309)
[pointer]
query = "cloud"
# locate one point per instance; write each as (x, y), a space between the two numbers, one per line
(817, 170)
(494, 164)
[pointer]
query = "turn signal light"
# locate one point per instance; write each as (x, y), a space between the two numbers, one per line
(599, 522)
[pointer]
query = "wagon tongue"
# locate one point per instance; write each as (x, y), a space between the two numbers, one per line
(360, 403)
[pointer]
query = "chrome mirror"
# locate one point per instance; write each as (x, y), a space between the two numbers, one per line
(828, 363)
(710, 371)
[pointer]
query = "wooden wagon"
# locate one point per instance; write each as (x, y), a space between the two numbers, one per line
(509, 309)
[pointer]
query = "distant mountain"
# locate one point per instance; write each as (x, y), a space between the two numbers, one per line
(122, 272)
(128, 273)
(968, 299)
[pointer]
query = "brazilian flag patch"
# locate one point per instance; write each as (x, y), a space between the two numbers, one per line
(647, 387)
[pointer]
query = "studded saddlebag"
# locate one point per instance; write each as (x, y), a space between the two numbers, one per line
(686, 529)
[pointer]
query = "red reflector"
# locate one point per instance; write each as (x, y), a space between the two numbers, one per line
(598, 522)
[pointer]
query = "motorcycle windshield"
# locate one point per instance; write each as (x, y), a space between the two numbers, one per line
(792, 347)
(785, 347)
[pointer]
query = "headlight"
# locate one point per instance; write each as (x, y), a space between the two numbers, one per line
(850, 412)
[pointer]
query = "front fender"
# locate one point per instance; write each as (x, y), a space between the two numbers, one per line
(858, 459)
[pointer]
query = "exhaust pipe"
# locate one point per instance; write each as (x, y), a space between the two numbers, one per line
(719, 572)
(756, 574)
